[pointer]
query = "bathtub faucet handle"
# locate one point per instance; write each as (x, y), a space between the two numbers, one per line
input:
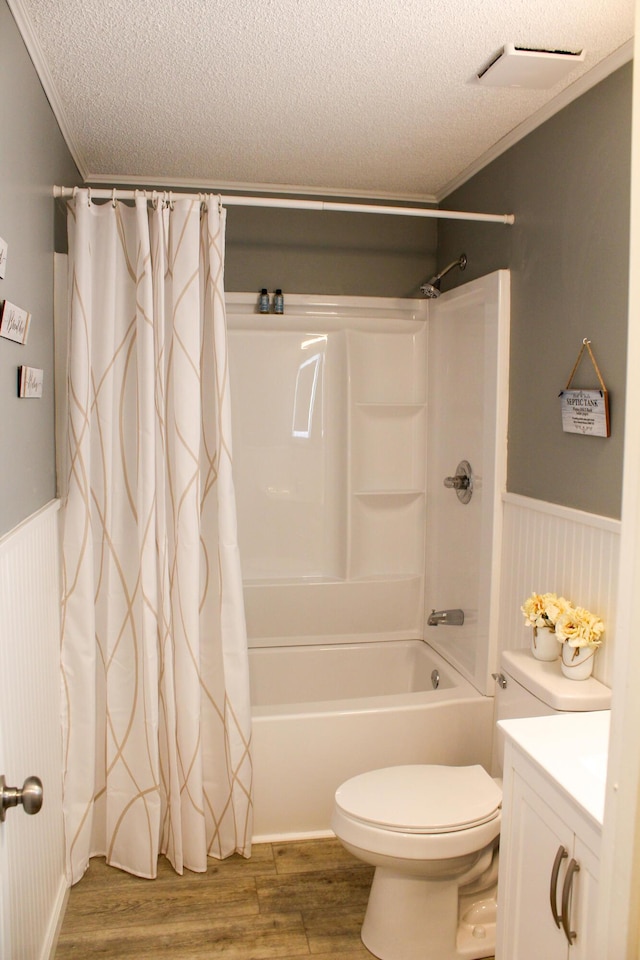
(449, 618)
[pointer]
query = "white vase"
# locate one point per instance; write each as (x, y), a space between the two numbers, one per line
(544, 644)
(577, 662)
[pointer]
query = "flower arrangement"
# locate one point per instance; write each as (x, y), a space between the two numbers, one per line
(575, 626)
(543, 610)
(579, 628)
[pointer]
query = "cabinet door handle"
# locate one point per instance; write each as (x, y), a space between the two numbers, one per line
(561, 855)
(572, 869)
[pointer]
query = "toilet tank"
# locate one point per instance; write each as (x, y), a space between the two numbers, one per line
(527, 687)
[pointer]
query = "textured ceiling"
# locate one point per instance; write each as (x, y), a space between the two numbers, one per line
(351, 97)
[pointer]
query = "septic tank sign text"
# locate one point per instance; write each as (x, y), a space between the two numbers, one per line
(586, 412)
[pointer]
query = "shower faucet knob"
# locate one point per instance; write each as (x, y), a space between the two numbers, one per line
(457, 483)
(462, 482)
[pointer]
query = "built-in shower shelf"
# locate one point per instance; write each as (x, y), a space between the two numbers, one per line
(387, 447)
(394, 497)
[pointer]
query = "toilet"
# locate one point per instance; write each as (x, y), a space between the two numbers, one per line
(432, 831)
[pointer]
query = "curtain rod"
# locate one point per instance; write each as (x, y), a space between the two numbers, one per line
(294, 204)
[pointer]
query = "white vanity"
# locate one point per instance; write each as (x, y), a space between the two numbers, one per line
(553, 806)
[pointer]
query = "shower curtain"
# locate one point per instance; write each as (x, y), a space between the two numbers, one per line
(156, 711)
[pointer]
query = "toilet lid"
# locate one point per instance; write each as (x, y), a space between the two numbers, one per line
(421, 798)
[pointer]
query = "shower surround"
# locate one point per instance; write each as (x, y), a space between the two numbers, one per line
(329, 435)
(348, 413)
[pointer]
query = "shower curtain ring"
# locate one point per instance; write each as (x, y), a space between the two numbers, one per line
(113, 198)
(89, 196)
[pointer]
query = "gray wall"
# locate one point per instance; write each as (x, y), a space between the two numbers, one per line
(330, 253)
(568, 184)
(33, 156)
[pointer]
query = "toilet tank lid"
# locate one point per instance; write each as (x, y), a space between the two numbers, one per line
(421, 798)
(544, 679)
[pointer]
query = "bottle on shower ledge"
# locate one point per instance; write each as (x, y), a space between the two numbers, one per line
(263, 301)
(278, 302)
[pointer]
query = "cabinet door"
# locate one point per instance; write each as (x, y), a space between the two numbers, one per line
(584, 902)
(533, 836)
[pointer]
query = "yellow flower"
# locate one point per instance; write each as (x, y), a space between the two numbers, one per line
(555, 607)
(543, 609)
(579, 628)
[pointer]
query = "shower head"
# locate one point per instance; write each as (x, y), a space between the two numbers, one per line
(431, 289)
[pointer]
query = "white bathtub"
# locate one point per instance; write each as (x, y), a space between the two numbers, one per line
(322, 714)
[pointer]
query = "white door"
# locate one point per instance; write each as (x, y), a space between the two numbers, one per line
(32, 882)
(4, 942)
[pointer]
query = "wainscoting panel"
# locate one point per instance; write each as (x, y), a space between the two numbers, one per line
(34, 887)
(549, 548)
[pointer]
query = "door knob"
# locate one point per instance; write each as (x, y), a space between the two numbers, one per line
(30, 796)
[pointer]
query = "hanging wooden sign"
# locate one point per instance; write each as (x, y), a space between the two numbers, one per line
(585, 411)
(14, 323)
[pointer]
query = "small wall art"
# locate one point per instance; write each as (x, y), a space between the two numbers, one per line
(585, 411)
(30, 382)
(14, 323)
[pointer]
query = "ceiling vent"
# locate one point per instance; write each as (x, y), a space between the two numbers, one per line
(533, 69)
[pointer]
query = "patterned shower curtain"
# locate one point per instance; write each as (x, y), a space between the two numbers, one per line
(156, 710)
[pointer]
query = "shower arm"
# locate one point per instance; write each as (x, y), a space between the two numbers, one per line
(460, 262)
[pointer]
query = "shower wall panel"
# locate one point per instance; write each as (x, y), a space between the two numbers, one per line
(328, 410)
(467, 420)
(289, 436)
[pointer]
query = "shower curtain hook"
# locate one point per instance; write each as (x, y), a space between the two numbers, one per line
(154, 200)
(113, 198)
(219, 203)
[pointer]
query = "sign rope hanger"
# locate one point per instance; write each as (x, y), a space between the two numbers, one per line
(585, 411)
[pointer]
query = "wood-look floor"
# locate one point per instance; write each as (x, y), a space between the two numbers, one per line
(288, 901)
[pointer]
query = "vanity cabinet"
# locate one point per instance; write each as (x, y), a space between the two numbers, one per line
(548, 880)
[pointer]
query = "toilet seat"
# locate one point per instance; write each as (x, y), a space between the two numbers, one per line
(421, 799)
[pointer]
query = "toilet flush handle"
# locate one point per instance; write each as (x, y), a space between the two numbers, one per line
(500, 679)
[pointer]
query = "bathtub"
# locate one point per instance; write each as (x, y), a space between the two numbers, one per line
(324, 713)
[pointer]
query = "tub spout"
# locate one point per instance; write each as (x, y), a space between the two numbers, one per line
(451, 618)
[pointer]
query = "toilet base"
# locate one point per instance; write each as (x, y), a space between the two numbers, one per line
(410, 918)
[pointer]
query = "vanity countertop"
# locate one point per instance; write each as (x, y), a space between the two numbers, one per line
(572, 748)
